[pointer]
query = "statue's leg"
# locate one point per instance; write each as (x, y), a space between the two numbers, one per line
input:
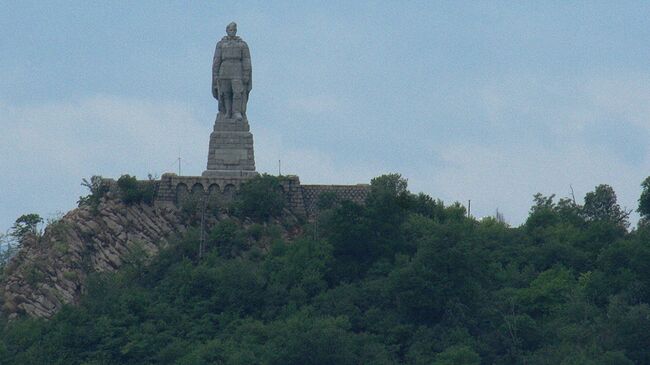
(224, 105)
(231, 101)
(228, 102)
(244, 101)
(237, 97)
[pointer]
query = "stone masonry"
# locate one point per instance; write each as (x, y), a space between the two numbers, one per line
(51, 271)
(230, 152)
(301, 199)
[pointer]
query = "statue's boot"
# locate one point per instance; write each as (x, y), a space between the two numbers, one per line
(237, 98)
(236, 107)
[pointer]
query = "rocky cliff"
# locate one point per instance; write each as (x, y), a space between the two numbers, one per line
(50, 270)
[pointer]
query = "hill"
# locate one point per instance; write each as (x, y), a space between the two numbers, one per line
(400, 279)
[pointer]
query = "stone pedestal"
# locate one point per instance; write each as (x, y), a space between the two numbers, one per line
(231, 150)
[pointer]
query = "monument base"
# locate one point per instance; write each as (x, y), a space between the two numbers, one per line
(231, 151)
(232, 174)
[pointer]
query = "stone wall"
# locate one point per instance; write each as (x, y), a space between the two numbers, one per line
(174, 189)
(51, 271)
(311, 193)
(302, 199)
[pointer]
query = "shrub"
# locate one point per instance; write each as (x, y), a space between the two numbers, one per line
(227, 238)
(98, 188)
(327, 200)
(26, 224)
(260, 198)
(133, 191)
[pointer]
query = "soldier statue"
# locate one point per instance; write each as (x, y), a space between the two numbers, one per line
(231, 75)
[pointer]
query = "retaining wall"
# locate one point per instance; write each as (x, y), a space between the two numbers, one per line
(302, 199)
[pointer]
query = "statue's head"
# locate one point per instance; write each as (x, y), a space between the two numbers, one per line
(231, 29)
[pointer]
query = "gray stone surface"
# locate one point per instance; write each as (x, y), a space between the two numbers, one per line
(232, 75)
(301, 199)
(231, 152)
(51, 271)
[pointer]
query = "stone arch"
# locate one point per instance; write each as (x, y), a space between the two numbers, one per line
(182, 193)
(197, 189)
(229, 191)
(214, 189)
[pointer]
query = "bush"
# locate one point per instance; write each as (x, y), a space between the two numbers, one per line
(260, 198)
(26, 224)
(227, 239)
(327, 200)
(403, 279)
(133, 191)
(98, 188)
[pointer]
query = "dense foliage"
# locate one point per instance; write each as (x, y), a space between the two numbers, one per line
(26, 224)
(260, 198)
(133, 191)
(403, 279)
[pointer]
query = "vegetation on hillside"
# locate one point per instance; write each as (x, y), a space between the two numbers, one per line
(403, 279)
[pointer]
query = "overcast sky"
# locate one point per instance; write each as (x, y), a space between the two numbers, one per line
(488, 101)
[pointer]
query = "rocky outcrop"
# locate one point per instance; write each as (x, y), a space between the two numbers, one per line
(50, 271)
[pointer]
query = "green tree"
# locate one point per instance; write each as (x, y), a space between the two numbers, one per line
(133, 191)
(601, 205)
(97, 188)
(388, 196)
(327, 200)
(401, 279)
(457, 355)
(260, 198)
(26, 224)
(443, 280)
(644, 199)
(547, 292)
(425, 205)
(349, 232)
(227, 238)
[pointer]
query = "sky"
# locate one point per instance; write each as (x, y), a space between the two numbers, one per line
(486, 101)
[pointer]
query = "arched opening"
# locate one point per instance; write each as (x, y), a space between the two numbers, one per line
(214, 190)
(197, 190)
(182, 193)
(229, 192)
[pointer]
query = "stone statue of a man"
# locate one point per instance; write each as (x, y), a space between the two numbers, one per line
(231, 75)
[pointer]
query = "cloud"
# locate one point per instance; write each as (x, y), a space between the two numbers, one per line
(508, 178)
(626, 97)
(535, 134)
(48, 148)
(77, 135)
(314, 104)
(560, 109)
(312, 165)
(547, 135)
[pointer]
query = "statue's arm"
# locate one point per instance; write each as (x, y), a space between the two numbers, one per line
(246, 67)
(216, 63)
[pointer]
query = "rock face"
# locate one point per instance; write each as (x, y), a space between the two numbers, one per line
(50, 271)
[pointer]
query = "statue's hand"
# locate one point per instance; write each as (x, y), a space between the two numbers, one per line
(246, 79)
(215, 93)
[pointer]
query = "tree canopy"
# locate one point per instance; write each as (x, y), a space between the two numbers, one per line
(401, 279)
